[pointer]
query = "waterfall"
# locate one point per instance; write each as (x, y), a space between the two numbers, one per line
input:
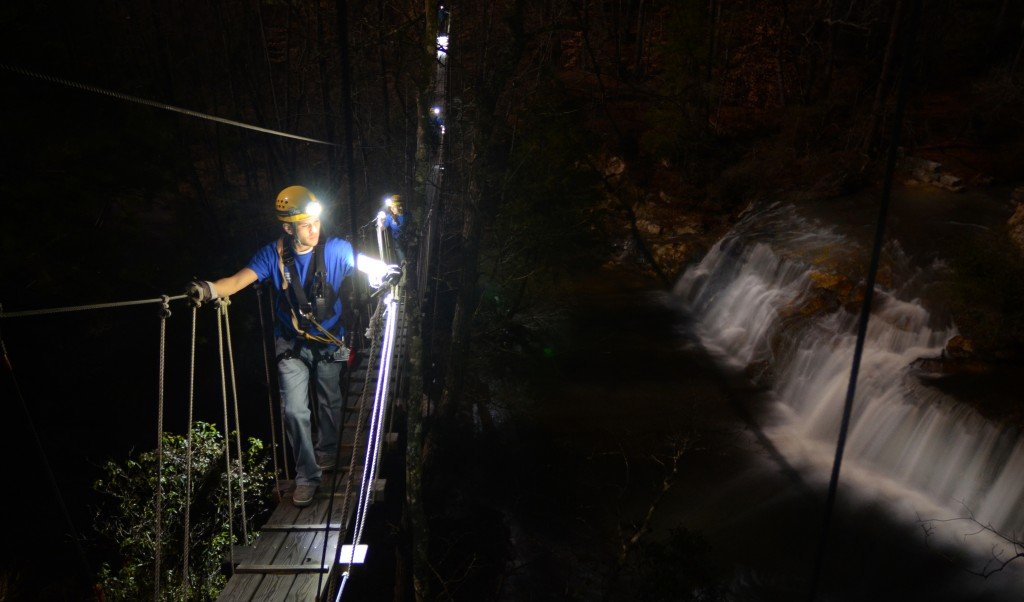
(748, 301)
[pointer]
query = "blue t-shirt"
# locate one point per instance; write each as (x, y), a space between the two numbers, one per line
(339, 262)
(394, 223)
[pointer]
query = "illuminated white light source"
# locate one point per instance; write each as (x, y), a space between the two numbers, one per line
(375, 269)
(436, 110)
(442, 41)
(314, 209)
(357, 556)
(442, 130)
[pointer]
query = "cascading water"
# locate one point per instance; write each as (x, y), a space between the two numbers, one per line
(755, 303)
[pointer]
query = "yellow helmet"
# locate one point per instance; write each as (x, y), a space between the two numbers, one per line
(297, 204)
(393, 200)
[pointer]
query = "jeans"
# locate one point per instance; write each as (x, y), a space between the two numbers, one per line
(294, 372)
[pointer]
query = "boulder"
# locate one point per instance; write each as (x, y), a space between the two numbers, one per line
(930, 172)
(648, 227)
(950, 182)
(1017, 196)
(615, 166)
(1016, 227)
(959, 348)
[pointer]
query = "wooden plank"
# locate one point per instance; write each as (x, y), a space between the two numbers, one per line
(242, 587)
(295, 549)
(305, 585)
(241, 554)
(281, 569)
(300, 527)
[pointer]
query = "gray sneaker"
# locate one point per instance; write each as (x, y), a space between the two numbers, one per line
(303, 495)
(325, 462)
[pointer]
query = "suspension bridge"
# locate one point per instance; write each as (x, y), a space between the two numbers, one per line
(299, 553)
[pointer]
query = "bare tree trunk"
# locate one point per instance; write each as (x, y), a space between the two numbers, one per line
(780, 47)
(714, 17)
(384, 96)
(882, 91)
(415, 516)
(1016, 57)
(641, 22)
(486, 155)
(325, 97)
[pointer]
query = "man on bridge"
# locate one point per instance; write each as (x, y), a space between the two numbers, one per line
(309, 332)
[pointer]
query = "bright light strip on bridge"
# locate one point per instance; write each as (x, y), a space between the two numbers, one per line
(375, 435)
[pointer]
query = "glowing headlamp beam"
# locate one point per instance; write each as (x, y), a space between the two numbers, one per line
(314, 209)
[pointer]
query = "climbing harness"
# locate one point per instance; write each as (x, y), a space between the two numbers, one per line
(307, 311)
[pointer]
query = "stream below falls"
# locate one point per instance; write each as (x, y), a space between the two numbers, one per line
(739, 367)
(950, 480)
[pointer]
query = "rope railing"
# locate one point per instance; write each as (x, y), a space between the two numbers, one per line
(165, 312)
(238, 424)
(61, 310)
(227, 433)
(186, 544)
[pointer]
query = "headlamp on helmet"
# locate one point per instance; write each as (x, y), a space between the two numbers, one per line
(297, 204)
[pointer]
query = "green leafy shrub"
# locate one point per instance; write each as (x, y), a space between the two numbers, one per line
(127, 515)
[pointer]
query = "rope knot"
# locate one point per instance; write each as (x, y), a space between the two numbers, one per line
(165, 307)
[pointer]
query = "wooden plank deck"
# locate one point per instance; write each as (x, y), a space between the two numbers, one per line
(286, 559)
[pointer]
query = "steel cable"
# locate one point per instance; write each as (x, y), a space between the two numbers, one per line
(158, 105)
